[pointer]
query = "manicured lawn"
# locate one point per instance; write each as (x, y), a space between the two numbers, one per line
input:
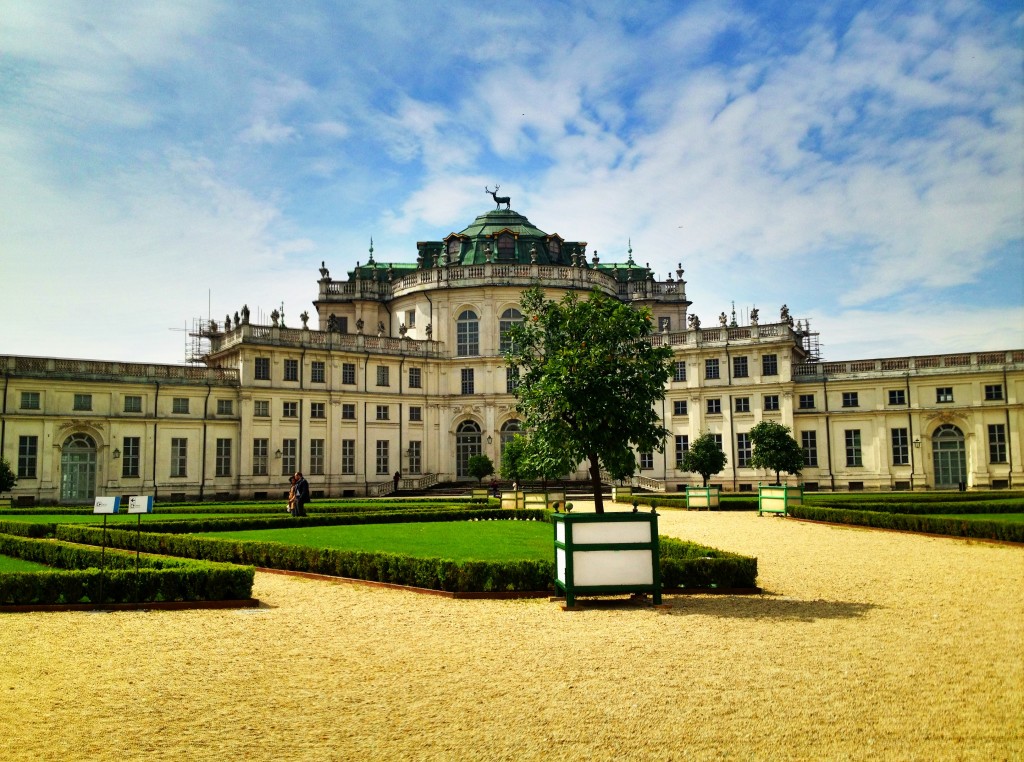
(457, 540)
(8, 564)
(1008, 518)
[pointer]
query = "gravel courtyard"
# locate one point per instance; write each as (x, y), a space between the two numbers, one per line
(865, 645)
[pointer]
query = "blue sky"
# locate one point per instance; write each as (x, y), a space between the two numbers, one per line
(861, 162)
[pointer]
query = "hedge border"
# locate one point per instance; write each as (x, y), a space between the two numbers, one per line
(908, 522)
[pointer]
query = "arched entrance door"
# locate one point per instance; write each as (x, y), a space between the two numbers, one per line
(78, 469)
(467, 444)
(949, 456)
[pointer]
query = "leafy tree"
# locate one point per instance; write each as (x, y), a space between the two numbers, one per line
(775, 450)
(479, 466)
(588, 381)
(704, 457)
(7, 477)
(514, 465)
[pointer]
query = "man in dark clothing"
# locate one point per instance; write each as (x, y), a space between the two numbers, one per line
(301, 494)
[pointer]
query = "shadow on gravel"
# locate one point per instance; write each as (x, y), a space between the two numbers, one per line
(765, 607)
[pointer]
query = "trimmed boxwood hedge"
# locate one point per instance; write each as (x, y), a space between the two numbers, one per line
(77, 578)
(725, 503)
(931, 505)
(985, 530)
(687, 564)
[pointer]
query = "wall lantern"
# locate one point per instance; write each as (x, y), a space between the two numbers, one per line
(489, 440)
(917, 442)
(277, 454)
(117, 453)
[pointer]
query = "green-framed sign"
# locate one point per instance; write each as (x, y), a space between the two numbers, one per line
(703, 497)
(606, 553)
(778, 498)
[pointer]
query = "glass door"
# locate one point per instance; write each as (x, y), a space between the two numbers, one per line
(949, 456)
(78, 469)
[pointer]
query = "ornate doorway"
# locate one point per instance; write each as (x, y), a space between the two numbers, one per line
(78, 469)
(949, 456)
(467, 444)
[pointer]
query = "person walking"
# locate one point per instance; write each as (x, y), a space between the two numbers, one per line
(291, 495)
(301, 494)
(398, 478)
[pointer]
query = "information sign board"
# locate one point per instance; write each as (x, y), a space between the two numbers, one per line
(140, 504)
(106, 505)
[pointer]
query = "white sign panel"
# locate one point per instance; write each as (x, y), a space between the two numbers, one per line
(586, 533)
(106, 505)
(140, 504)
(612, 567)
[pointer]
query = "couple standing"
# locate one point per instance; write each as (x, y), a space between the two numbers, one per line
(298, 494)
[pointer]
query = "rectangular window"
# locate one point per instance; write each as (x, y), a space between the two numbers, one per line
(809, 443)
(383, 375)
(415, 413)
(511, 379)
(316, 457)
(771, 402)
(679, 372)
(646, 461)
(291, 370)
(30, 400)
(260, 457)
(131, 451)
(289, 456)
(853, 453)
(318, 410)
(179, 457)
(289, 409)
(714, 406)
(348, 411)
(682, 446)
(850, 399)
(348, 456)
(806, 402)
(383, 466)
(944, 394)
(415, 378)
(348, 373)
(996, 443)
(711, 369)
(222, 459)
(743, 404)
(679, 407)
(897, 397)
(410, 318)
(467, 381)
(83, 402)
(718, 440)
(317, 372)
(132, 403)
(769, 365)
(261, 408)
(415, 457)
(900, 447)
(743, 450)
(262, 369)
(664, 324)
(179, 405)
(467, 335)
(992, 392)
(28, 456)
(383, 412)
(225, 407)
(739, 367)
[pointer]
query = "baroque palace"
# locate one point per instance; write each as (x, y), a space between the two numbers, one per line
(403, 372)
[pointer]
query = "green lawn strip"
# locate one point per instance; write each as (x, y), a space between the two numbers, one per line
(11, 564)
(115, 518)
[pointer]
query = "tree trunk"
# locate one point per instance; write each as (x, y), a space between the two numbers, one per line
(595, 480)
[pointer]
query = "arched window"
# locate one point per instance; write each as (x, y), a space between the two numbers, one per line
(509, 430)
(467, 444)
(78, 469)
(454, 249)
(506, 246)
(555, 247)
(509, 318)
(467, 334)
(949, 456)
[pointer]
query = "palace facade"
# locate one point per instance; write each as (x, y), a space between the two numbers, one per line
(402, 371)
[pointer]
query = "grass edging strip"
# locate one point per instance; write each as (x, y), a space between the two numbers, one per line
(241, 603)
(908, 522)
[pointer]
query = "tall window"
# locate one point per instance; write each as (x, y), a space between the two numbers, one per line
(383, 375)
(511, 379)
(348, 411)
(714, 406)
(850, 399)
(348, 456)
(262, 369)
(348, 373)
(415, 378)
(739, 367)
(771, 402)
(679, 371)
(711, 368)
(130, 455)
(28, 455)
(742, 404)
(993, 392)
(506, 246)
(467, 334)
(853, 451)
(317, 409)
(744, 450)
(996, 443)
(83, 402)
(316, 457)
(291, 370)
(383, 412)
(225, 407)
(222, 459)
(897, 397)
(467, 444)
(806, 402)
(682, 446)
(30, 400)
(769, 365)
(132, 403)
(261, 408)
(260, 457)
(179, 457)
(415, 457)
(509, 431)
(383, 465)
(467, 381)
(508, 319)
(679, 407)
(289, 456)
(410, 318)
(179, 405)
(900, 447)
(944, 394)
(809, 444)
(317, 372)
